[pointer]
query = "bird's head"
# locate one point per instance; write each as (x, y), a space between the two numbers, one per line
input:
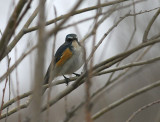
(71, 37)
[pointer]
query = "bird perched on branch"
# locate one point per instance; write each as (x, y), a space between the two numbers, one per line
(67, 60)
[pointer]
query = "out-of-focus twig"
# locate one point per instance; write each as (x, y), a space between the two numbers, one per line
(101, 66)
(56, 28)
(16, 109)
(88, 80)
(23, 14)
(115, 80)
(20, 34)
(4, 89)
(129, 43)
(77, 12)
(155, 36)
(130, 65)
(111, 61)
(105, 35)
(1, 32)
(124, 99)
(16, 63)
(17, 86)
(52, 67)
(9, 90)
(39, 66)
(80, 80)
(30, 92)
(10, 28)
(71, 113)
(142, 109)
(25, 29)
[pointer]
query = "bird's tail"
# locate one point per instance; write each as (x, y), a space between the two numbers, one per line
(49, 76)
(46, 78)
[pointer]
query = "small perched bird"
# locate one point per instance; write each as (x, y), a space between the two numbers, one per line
(68, 59)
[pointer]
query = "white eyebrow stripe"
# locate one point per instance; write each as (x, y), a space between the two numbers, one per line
(70, 37)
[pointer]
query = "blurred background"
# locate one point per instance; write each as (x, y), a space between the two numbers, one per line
(130, 29)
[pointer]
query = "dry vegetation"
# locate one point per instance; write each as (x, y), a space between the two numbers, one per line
(121, 75)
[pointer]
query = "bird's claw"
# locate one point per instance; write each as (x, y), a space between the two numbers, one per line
(76, 74)
(67, 80)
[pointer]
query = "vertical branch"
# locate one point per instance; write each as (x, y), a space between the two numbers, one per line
(88, 79)
(87, 101)
(17, 83)
(9, 30)
(39, 67)
(52, 67)
(9, 78)
(66, 105)
(20, 34)
(4, 89)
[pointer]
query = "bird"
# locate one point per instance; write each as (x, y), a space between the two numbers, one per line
(67, 60)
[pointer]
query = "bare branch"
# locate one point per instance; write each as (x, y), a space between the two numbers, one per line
(20, 34)
(80, 80)
(9, 30)
(150, 25)
(39, 67)
(124, 99)
(4, 89)
(16, 63)
(130, 65)
(141, 109)
(77, 12)
(122, 55)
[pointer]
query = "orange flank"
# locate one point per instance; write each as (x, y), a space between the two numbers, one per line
(65, 56)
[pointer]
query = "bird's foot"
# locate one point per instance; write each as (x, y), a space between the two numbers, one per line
(67, 80)
(76, 74)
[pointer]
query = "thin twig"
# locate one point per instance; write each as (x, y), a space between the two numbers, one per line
(80, 80)
(89, 74)
(101, 66)
(150, 25)
(30, 92)
(124, 99)
(130, 65)
(16, 63)
(15, 110)
(17, 84)
(106, 34)
(25, 29)
(78, 12)
(9, 78)
(4, 89)
(114, 81)
(129, 43)
(142, 109)
(71, 113)
(113, 60)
